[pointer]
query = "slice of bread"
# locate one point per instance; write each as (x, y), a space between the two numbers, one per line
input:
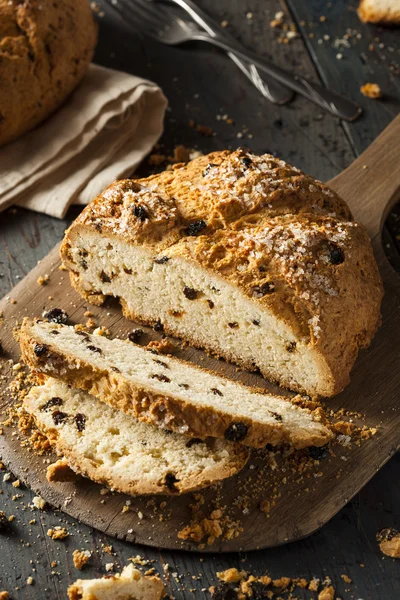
(130, 584)
(379, 11)
(166, 391)
(242, 255)
(122, 453)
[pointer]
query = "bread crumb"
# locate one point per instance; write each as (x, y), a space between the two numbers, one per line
(163, 346)
(80, 558)
(38, 502)
(230, 575)
(371, 90)
(314, 585)
(327, 594)
(58, 533)
(60, 471)
(43, 279)
(109, 567)
(346, 578)
(4, 596)
(389, 542)
(29, 581)
(16, 483)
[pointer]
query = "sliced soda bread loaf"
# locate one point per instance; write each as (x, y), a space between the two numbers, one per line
(242, 255)
(130, 584)
(166, 391)
(119, 451)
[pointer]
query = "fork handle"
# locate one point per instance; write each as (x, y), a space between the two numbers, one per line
(336, 105)
(268, 86)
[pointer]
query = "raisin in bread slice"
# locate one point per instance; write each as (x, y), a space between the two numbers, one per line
(166, 391)
(379, 11)
(119, 451)
(130, 584)
(239, 254)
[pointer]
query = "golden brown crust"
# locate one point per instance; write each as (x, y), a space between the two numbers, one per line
(158, 409)
(379, 11)
(286, 240)
(45, 49)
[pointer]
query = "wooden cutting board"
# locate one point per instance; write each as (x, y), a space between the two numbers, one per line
(301, 503)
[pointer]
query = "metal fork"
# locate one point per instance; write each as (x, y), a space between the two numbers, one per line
(151, 20)
(271, 89)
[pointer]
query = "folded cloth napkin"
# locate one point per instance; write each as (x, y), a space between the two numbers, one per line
(100, 134)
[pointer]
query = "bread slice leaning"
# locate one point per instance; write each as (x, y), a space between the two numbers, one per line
(166, 391)
(379, 11)
(122, 453)
(129, 584)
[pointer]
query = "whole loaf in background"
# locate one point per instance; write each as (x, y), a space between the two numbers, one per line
(45, 50)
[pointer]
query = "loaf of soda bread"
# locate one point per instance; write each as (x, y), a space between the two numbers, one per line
(242, 255)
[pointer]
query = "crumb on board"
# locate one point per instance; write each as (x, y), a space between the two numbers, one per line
(80, 558)
(371, 90)
(4, 596)
(60, 471)
(327, 593)
(389, 542)
(163, 346)
(43, 279)
(58, 533)
(38, 502)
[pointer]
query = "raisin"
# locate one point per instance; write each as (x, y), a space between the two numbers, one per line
(104, 277)
(59, 417)
(54, 332)
(167, 431)
(127, 271)
(256, 322)
(262, 290)
(336, 255)
(233, 325)
(170, 481)
(208, 167)
(160, 362)
(135, 335)
(140, 212)
(94, 349)
(158, 326)
(291, 347)
(52, 402)
(216, 392)
(80, 421)
(81, 333)
(318, 452)
(83, 264)
(115, 369)
(56, 315)
(40, 349)
(190, 293)
(262, 268)
(161, 377)
(246, 161)
(4, 522)
(276, 416)
(162, 260)
(196, 227)
(193, 442)
(185, 386)
(224, 591)
(236, 432)
(210, 303)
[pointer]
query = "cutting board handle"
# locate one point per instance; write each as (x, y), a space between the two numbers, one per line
(371, 184)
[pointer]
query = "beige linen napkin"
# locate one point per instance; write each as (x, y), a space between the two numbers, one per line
(100, 134)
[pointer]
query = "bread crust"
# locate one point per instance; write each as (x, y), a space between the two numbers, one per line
(161, 410)
(265, 224)
(45, 49)
(379, 11)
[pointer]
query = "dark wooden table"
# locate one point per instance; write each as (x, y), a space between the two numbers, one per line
(202, 85)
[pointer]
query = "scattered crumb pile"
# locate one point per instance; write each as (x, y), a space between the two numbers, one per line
(80, 558)
(209, 524)
(389, 542)
(240, 585)
(371, 90)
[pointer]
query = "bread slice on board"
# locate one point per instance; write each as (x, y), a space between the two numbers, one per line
(379, 11)
(129, 584)
(242, 255)
(122, 453)
(166, 391)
